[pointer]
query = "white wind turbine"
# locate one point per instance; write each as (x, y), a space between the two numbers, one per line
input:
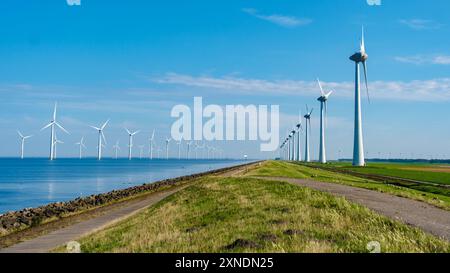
(307, 132)
(167, 147)
(293, 150)
(116, 148)
(22, 143)
(101, 137)
(53, 132)
(81, 146)
(130, 142)
(189, 144)
(179, 149)
(323, 117)
(358, 145)
(152, 139)
(299, 134)
(55, 144)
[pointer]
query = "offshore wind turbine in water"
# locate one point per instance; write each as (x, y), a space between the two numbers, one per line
(52, 125)
(101, 136)
(81, 146)
(323, 121)
(130, 142)
(22, 143)
(358, 145)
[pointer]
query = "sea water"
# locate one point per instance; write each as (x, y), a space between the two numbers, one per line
(37, 181)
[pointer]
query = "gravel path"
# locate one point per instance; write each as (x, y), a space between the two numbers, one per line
(427, 217)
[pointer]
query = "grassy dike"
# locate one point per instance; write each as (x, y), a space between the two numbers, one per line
(245, 214)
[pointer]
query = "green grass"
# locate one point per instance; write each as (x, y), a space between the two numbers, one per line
(285, 169)
(407, 171)
(250, 215)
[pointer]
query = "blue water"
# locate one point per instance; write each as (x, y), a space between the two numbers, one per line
(35, 182)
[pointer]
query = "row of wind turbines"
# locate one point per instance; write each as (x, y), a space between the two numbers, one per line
(191, 146)
(291, 146)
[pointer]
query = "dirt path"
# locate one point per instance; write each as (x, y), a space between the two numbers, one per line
(427, 217)
(60, 237)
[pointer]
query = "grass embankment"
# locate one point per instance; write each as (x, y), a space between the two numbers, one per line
(284, 169)
(249, 215)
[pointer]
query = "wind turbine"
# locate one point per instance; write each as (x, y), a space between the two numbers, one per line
(308, 128)
(22, 143)
(52, 124)
(323, 117)
(179, 149)
(101, 137)
(167, 147)
(116, 148)
(81, 146)
(299, 133)
(358, 145)
(130, 142)
(152, 139)
(57, 141)
(189, 144)
(293, 144)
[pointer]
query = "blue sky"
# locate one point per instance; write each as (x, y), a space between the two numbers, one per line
(132, 62)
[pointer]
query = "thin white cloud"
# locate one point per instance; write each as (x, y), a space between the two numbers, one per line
(420, 24)
(73, 2)
(281, 20)
(423, 59)
(418, 90)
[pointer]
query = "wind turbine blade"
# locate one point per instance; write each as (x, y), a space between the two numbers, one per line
(321, 89)
(50, 124)
(103, 136)
(28, 137)
(95, 128)
(365, 77)
(20, 134)
(62, 128)
(104, 125)
(137, 132)
(54, 111)
(128, 131)
(310, 113)
(363, 46)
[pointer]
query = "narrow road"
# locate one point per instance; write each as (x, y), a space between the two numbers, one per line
(427, 217)
(50, 241)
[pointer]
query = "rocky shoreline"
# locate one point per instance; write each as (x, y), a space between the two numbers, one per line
(29, 217)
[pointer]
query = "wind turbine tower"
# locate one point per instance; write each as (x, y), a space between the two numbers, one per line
(101, 137)
(130, 142)
(308, 128)
(22, 143)
(299, 133)
(116, 148)
(358, 145)
(52, 125)
(167, 147)
(81, 146)
(323, 116)
(152, 139)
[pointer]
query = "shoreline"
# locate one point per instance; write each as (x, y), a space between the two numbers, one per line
(21, 220)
